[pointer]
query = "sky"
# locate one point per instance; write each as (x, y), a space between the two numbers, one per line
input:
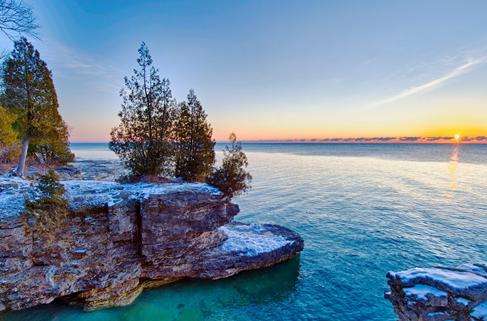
(277, 69)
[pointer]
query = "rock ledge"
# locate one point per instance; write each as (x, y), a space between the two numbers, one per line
(122, 238)
(440, 293)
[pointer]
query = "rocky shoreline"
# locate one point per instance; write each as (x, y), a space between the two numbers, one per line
(440, 293)
(121, 238)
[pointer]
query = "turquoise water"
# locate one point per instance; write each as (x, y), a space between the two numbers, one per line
(361, 209)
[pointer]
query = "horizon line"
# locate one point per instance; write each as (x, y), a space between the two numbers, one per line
(336, 140)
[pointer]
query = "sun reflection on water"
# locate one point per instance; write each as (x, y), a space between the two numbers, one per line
(453, 167)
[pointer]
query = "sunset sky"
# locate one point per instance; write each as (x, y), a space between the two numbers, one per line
(278, 69)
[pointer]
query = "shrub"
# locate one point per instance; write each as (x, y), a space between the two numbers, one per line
(231, 177)
(54, 152)
(9, 153)
(47, 203)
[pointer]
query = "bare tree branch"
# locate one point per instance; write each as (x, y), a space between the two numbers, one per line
(16, 19)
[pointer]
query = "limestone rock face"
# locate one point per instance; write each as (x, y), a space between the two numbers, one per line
(121, 238)
(440, 293)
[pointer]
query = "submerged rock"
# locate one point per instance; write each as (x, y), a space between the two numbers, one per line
(440, 293)
(121, 238)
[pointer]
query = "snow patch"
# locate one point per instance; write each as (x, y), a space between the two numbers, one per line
(144, 190)
(422, 292)
(480, 311)
(251, 240)
(12, 190)
(453, 279)
(463, 301)
(93, 193)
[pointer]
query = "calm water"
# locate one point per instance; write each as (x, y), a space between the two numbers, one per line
(361, 209)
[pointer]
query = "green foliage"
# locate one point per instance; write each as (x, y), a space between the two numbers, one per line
(53, 148)
(7, 133)
(29, 93)
(28, 90)
(195, 153)
(143, 138)
(232, 178)
(48, 204)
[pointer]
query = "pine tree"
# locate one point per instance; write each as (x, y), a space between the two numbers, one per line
(29, 92)
(143, 138)
(195, 153)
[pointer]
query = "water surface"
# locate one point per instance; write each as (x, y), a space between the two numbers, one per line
(361, 209)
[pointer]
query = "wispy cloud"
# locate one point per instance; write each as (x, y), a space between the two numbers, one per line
(430, 85)
(68, 63)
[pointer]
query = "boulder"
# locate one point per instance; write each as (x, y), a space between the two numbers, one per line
(440, 293)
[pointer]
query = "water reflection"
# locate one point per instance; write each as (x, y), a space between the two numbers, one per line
(453, 166)
(192, 300)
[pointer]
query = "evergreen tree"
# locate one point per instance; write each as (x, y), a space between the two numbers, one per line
(29, 92)
(231, 177)
(143, 138)
(195, 153)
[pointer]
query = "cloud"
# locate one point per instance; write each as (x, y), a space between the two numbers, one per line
(67, 62)
(456, 72)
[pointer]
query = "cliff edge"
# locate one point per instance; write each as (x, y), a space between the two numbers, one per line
(121, 238)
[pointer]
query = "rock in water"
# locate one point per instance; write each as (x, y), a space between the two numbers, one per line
(121, 238)
(440, 293)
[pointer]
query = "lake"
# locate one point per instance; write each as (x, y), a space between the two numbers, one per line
(362, 210)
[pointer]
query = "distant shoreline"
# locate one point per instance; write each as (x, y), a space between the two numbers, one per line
(335, 142)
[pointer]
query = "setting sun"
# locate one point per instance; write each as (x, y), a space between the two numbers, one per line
(457, 137)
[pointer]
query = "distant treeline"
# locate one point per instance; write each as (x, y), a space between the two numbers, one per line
(406, 139)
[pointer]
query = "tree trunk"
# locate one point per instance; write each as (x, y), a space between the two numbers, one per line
(23, 156)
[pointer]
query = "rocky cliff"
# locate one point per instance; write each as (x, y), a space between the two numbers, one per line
(440, 293)
(121, 238)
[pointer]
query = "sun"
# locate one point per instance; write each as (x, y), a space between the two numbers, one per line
(457, 137)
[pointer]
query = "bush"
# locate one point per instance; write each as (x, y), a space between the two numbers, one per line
(47, 204)
(55, 152)
(232, 178)
(9, 153)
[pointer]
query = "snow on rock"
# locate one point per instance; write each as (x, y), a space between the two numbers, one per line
(251, 240)
(86, 193)
(456, 293)
(445, 279)
(480, 311)
(83, 194)
(12, 190)
(422, 292)
(249, 246)
(463, 301)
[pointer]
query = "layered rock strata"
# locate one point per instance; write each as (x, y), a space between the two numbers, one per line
(121, 238)
(440, 293)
